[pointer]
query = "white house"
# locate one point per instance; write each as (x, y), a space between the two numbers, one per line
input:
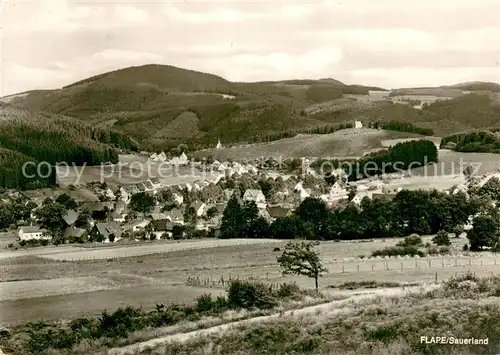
(180, 160)
(200, 208)
(461, 188)
(140, 225)
(32, 233)
(178, 198)
(255, 195)
(358, 124)
(219, 146)
(162, 157)
(337, 189)
(124, 195)
(154, 157)
(357, 199)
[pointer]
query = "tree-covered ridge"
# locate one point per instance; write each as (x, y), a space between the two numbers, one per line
(11, 173)
(402, 127)
(400, 157)
(475, 141)
(37, 137)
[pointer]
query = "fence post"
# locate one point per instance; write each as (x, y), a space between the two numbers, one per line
(343, 268)
(442, 263)
(401, 265)
(436, 277)
(429, 262)
(469, 262)
(372, 266)
(358, 267)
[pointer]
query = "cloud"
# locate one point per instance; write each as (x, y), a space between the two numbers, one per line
(384, 43)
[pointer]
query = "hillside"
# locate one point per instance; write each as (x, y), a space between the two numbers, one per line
(347, 143)
(27, 136)
(162, 106)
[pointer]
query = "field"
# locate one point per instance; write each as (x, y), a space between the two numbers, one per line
(40, 285)
(343, 144)
(131, 169)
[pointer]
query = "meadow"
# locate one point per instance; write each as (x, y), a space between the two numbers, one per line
(35, 285)
(344, 143)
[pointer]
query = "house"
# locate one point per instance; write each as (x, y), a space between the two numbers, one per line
(120, 212)
(149, 185)
(254, 195)
(140, 225)
(156, 183)
(200, 208)
(228, 193)
(160, 221)
(109, 194)
(180, 160)
(176, 216)
(357, 199)
(153, 157)
(461, 188)
(162, 157)
(337, 189)
(32, 233)
(178, 198)
(124, 195)
(358, 124)
(278, 211)
(376, 185)
(70, 217)
(75, 234)
(218, 146)
(109, 232)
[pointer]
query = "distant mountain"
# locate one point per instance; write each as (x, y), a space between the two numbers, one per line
(478, 86)
(161, 106)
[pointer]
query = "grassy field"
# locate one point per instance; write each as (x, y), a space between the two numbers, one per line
(33, 285)
(132, 169)
(344, 143)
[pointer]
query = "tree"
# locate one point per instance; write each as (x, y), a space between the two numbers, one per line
(142, 202)
(51, 218)
(484, 232)
(441, 238)
(232, 219)
(83, 220)
(300, 258)
(67, 201)
(314, 212)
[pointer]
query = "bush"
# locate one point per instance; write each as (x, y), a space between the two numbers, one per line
(412, 240)
(250, 294)
(288, 290)
(398, 250)
(204, 303)
(441, 238)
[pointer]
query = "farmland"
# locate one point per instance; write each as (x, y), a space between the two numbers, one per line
(37, 286)
(344, 143)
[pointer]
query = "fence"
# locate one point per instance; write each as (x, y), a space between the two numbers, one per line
(222, 282)
(372, 265)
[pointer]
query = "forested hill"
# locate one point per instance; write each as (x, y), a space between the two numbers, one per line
(35, 137)
(162, 106)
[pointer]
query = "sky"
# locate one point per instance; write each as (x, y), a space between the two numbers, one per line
(47, 44)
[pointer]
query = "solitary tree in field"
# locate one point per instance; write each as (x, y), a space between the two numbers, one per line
(300, 258)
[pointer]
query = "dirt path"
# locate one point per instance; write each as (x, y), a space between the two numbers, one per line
(334, 307)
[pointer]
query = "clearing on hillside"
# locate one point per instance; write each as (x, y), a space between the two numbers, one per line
(345, 143)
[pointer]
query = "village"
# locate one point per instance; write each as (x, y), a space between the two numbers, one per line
(151, 210)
